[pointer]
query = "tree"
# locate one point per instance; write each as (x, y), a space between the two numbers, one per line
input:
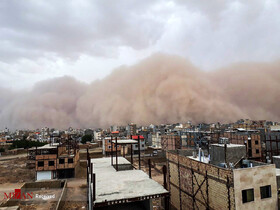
(26, 144)
(86, 138)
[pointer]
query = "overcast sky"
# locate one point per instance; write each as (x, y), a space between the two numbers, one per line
(87, 39)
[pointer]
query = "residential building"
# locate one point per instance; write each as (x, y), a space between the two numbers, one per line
(97, 135)
(142, 143)
(55, 160)
(252, 141)
(195, 182)
(271, 145)
(156, 140)
(170, 142)
(131, 129)
(107, 146)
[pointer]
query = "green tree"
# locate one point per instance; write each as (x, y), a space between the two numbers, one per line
(26, 144)
(86, 138)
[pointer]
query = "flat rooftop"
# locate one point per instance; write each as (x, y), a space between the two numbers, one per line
(203, 159)
(228, 145)
(112, 185)
(49, 146)
(125, 141)
(155, 147)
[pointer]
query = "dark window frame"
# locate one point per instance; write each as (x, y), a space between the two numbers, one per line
(61, 161)
(41, 163)
(51, 161)
(70, 160)
(245, 195)
(265, 191)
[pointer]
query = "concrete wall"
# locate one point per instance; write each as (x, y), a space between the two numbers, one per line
(256, 177)
(276, 161)
(43, 184)
(34, 185)
(233, 154)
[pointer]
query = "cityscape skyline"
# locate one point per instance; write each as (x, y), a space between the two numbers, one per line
(152, 105)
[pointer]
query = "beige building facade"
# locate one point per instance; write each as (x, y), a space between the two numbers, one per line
(258, 185)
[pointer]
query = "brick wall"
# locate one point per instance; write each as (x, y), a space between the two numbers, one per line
(205, 184)
(170, 142)
(254, 145)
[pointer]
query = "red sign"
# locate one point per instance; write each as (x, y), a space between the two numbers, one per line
(18, 195)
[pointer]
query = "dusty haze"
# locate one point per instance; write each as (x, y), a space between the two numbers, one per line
(159, 89)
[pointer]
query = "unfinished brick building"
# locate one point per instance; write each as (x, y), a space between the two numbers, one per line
(271, 145)
(251, 140)
(55, 160)
(195, 184)
(170, 142)
(107, 146)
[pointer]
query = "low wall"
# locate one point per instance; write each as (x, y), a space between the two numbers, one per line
(35, 185)
(62, 198)
(44, 184)
(10, 202)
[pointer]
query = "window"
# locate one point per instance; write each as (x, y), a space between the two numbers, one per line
(61, 161)
(109, 147)
(70, 160)
(247, 195)
(41, 164)
(256, 142)
(257, 151)
(143, 145)
(250, 152)
(265, 192)
(51, 163)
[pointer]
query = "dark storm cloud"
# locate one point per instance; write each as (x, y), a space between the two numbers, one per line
(32, 29)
